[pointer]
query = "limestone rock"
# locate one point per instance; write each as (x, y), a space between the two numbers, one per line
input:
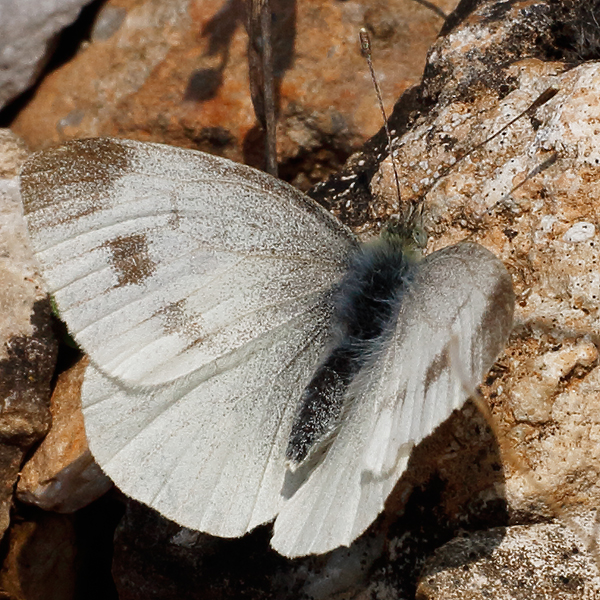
(545, 397)
(529, 194)
(27, 343)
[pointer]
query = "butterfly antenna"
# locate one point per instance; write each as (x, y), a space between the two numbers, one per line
(365, 48)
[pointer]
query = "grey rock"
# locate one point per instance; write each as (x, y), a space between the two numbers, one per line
(28, 29)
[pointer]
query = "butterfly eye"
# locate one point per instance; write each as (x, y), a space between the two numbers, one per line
(420, 237)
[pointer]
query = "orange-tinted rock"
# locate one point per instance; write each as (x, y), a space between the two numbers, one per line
(62, 475)
(177, 72)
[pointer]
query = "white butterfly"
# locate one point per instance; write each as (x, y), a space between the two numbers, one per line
(212, 298)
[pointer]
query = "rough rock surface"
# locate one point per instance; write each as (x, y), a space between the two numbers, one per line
(28, 30)
(517, 563)
(27, 344)
(545, 392)
(529, 195)
(62, 475)
(176, 72)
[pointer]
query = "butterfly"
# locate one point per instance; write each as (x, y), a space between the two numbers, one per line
(250, 360)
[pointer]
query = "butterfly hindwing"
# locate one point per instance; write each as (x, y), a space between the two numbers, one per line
(453, 321)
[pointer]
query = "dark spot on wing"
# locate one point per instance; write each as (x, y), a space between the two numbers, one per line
(176, 319)
(75, 177)
(130, 259)
(439, 364)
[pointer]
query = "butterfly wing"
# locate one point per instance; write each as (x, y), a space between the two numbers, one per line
(164, 260)
(454, 320)
(201, 289)
(209, 453)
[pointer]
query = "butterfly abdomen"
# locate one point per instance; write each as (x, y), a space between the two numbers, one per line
(366, 308)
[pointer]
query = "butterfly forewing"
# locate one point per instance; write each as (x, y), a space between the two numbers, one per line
(453, 321)
(164, 260)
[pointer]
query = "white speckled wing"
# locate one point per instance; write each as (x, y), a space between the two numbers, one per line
(163, 260)
(201, 290)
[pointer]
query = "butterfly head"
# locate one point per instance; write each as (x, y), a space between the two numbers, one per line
(406, 230)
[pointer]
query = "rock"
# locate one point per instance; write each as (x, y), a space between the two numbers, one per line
(62, 475)
(533, 396)
(176, 72)
(28, 30)
(529, 195)
(525, 562)
(41, 560)
(27, 343)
